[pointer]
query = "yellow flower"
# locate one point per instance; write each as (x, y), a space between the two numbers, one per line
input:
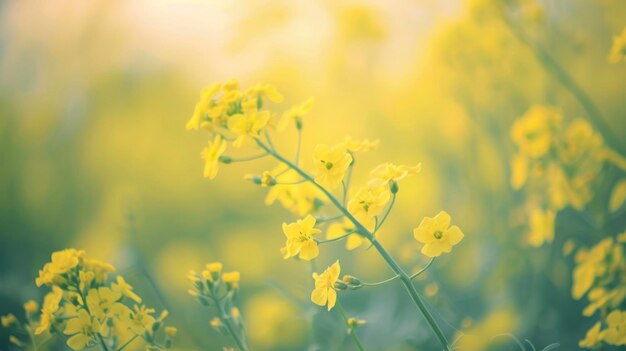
(369, 201)
(615, 334)
(31, 307)
(593, 337)
(61, 262)
(171, 332)
(83, 330)
(387, 172)
(50, 307)
(211, 155)
(212, 271)
(336, 230)
(618, 50)
(300, 239)
(125, 288)
(299, 198)
(598, 297)
(266, 90)
(541, 227)
(100, 269)
(202, 106)
(331, 163)
(534, 131)
(8, 320)
(437, 235)
(247, 126)
(519, 171)
(231, 279)
(364, 145)
(215, 322)
(618, 196)
(102, 302)
(324, 292)
(140, 320)
(295, 114)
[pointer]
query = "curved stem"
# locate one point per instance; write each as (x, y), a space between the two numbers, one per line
(226, 318)
(329, 219)
(404, 277)
(381, 282)
(247, 158)
(423, 269)
(347, 234)
(127, 343)
(298, 147)
(382, 221)
(355, 337)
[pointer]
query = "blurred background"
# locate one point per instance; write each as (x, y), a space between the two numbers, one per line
(94, 97)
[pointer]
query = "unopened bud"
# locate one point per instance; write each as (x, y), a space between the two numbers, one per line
(225, 159)
(393, 186)
(339, 285)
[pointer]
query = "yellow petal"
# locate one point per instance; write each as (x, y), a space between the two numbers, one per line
(618, 196)
(455, 235)
(309, 250)
(332, 298)
(319, 296)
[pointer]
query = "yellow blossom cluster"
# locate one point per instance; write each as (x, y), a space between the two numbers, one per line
(600, 275)
(87, 310)
(556, 165)
(320, 196)
(214, 288)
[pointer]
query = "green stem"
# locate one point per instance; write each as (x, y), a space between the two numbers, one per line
(298, 147)
(355, 337)
(347, 234)
(346, 187)
(226, 318)
(127, 343)
(247, 158)
(553, 68)
(380, 224)
(397, 276)
(32, 337)
(329, 219)
(404, 277)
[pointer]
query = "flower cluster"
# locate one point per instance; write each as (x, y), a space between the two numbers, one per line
(600, 275)
(618, 50)
(321, 197)
(218, 289)
(88, 310)
(556, 165)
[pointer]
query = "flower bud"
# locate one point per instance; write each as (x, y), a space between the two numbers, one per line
(339, 285)
(393, 186)
(225, 159)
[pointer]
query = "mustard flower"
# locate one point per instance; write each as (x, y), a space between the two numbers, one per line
(103, 302)
(295, 114)
(31, 307)
(592, 338)
(534, 131)
(266, 90)
(541, 227)
(618, 50)
(83, 330)
(50, 306)
(615, 334)
(369, 201)
(247, 126)
(331, 163)
(437, 235)
(211, 155)
(300, 198)
(231, 279)
(324, 292)
(171, 332)
(202, 106)
(212, 271)
(140, 320)
(336, 230)
(364, 145)
(300, 239)
(8, 320)
(387, 172)
(125, 288)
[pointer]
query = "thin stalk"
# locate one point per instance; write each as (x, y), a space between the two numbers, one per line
(348, 181)
(397, 276)
(127, 343)
(246, 158)
(31, 336)
(298, 147)
(404, 277)
(382, 221)
(329, 219)
(355, 337)
(226, 318)
(347, 234)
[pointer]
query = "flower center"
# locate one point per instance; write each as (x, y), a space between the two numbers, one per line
(438, 234)
(329, 165)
